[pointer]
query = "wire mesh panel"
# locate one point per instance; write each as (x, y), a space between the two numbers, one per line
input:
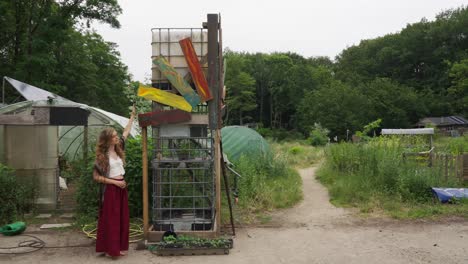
(183, 183)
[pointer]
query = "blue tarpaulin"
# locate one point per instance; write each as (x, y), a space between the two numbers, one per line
(446, 194)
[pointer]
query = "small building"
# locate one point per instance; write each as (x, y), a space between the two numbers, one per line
(446, 125)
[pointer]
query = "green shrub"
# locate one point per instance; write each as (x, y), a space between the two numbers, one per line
(296, 150)
(87, 195)
(265, 132)
(17, 196)
(134, 174)
(318, 135)
(88, 189)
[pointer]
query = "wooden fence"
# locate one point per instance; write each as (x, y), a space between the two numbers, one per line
(448, 165)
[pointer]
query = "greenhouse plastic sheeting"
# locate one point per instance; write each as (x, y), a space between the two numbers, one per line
(239, 140)
(446, 194)
(70, 138)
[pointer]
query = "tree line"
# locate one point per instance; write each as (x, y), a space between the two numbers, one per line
(399, 78)
(50, 44)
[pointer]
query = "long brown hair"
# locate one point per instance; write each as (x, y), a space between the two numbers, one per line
(102, 148)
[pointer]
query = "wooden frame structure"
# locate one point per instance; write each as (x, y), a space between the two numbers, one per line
(213, 122)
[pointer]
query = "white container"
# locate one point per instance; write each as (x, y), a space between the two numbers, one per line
(165, 42)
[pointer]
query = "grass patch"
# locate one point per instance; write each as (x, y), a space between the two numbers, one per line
(265, 185)
(297, 154)
(374, 178)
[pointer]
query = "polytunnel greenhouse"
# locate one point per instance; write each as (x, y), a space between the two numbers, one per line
(45, 128)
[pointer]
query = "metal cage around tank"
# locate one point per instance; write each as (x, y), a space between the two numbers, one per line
(183, 176)
(183, 184)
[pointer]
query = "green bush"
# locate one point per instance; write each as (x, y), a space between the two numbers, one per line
(265, 132)
(87, 195)
(17, 197)
(88, 189)
(296, 150)
(134, 174)
(318, 135)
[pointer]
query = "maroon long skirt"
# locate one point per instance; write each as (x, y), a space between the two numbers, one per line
(113, 223)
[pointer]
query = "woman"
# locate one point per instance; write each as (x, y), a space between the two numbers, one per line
(113, 223)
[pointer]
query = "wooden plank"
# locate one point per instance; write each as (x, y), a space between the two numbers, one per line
(203, 63)
(195, 69)
(177, 81)
(197, 119)
(164, 97)
(465, 166)
(16, 120)
(144, 135)
(160, 117)
(41, 115)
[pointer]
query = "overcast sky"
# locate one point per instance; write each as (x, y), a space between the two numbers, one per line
(309, 28)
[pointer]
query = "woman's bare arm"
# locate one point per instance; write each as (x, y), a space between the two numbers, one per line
(128, 127)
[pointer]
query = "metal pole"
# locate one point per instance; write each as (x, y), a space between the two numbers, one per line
(85, 144)
(3, 91)
(226, 186)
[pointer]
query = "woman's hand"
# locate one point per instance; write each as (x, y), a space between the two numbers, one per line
(121, 184)
(128, 127)
(133, 111)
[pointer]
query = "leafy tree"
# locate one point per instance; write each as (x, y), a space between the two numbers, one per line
(241, 95)
(336, 106)
(371, 127)
(397, 105)
(458, 91)
(46, 43)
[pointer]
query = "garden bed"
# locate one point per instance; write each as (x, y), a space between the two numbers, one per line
(188, 246)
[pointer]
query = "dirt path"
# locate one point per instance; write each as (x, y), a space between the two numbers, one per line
(312, 232)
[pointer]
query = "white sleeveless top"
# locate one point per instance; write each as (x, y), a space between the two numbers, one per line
(116, 167)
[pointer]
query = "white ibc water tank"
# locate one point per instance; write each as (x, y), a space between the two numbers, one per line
(165, 42)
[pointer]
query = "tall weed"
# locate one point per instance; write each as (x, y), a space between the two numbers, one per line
(267, 184)
(376, 173)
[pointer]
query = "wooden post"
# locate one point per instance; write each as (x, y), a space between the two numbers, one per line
(217, 165)
(213, 106)
(465, 166)
(213, 68)
(145, 181)
(460, 164)
(446, 167)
